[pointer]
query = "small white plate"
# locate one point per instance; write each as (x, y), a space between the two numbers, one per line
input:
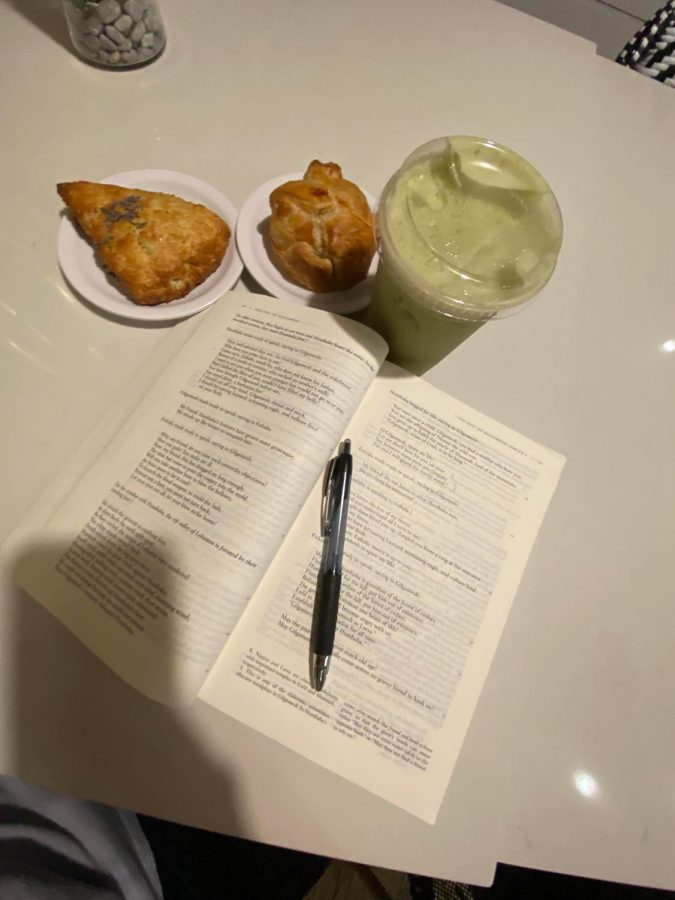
(253, 238)
(78, 261)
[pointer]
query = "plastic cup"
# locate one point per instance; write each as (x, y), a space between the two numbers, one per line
(469, 232)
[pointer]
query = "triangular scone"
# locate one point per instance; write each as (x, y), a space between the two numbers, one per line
(159, 246)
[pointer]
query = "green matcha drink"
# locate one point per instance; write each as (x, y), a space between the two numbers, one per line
(469, 231)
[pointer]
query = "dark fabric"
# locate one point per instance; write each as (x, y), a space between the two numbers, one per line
(31, 871)
(200, 865)
(57, 847)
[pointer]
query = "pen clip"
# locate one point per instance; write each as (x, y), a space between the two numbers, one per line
(327, 498)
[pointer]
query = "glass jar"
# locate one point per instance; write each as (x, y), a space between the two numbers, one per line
(115, 33)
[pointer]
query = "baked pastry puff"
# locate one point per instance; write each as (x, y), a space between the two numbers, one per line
(158, 246)
(321, 230)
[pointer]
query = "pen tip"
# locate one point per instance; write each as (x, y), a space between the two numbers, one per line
(318, 669)
(318, 679)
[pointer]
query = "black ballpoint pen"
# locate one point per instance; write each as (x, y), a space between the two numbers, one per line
(334, 507)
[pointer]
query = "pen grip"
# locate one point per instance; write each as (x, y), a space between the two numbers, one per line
(325, 614)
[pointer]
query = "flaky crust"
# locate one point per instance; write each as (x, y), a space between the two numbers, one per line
(321, 230)
(159, 246)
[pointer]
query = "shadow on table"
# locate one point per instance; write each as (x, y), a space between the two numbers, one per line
(65, 697)
(80, 729)
(46, 15)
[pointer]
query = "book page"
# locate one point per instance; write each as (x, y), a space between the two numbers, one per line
(152, 557)
(445, 506)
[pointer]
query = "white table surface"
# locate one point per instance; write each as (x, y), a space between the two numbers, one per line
(568, 763)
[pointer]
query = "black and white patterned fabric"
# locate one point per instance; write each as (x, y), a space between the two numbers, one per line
(652, 50)
(422, 888)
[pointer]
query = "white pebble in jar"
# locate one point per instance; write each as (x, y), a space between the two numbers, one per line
(124, 24)
(115, 33)
(107, 11)
(135, 9)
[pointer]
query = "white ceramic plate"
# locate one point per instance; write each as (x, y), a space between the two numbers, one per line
(78, 262)
(252, 238)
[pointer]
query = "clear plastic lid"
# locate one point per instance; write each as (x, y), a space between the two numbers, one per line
(469, 228)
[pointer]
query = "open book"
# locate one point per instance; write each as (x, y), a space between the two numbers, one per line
(186, 554)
